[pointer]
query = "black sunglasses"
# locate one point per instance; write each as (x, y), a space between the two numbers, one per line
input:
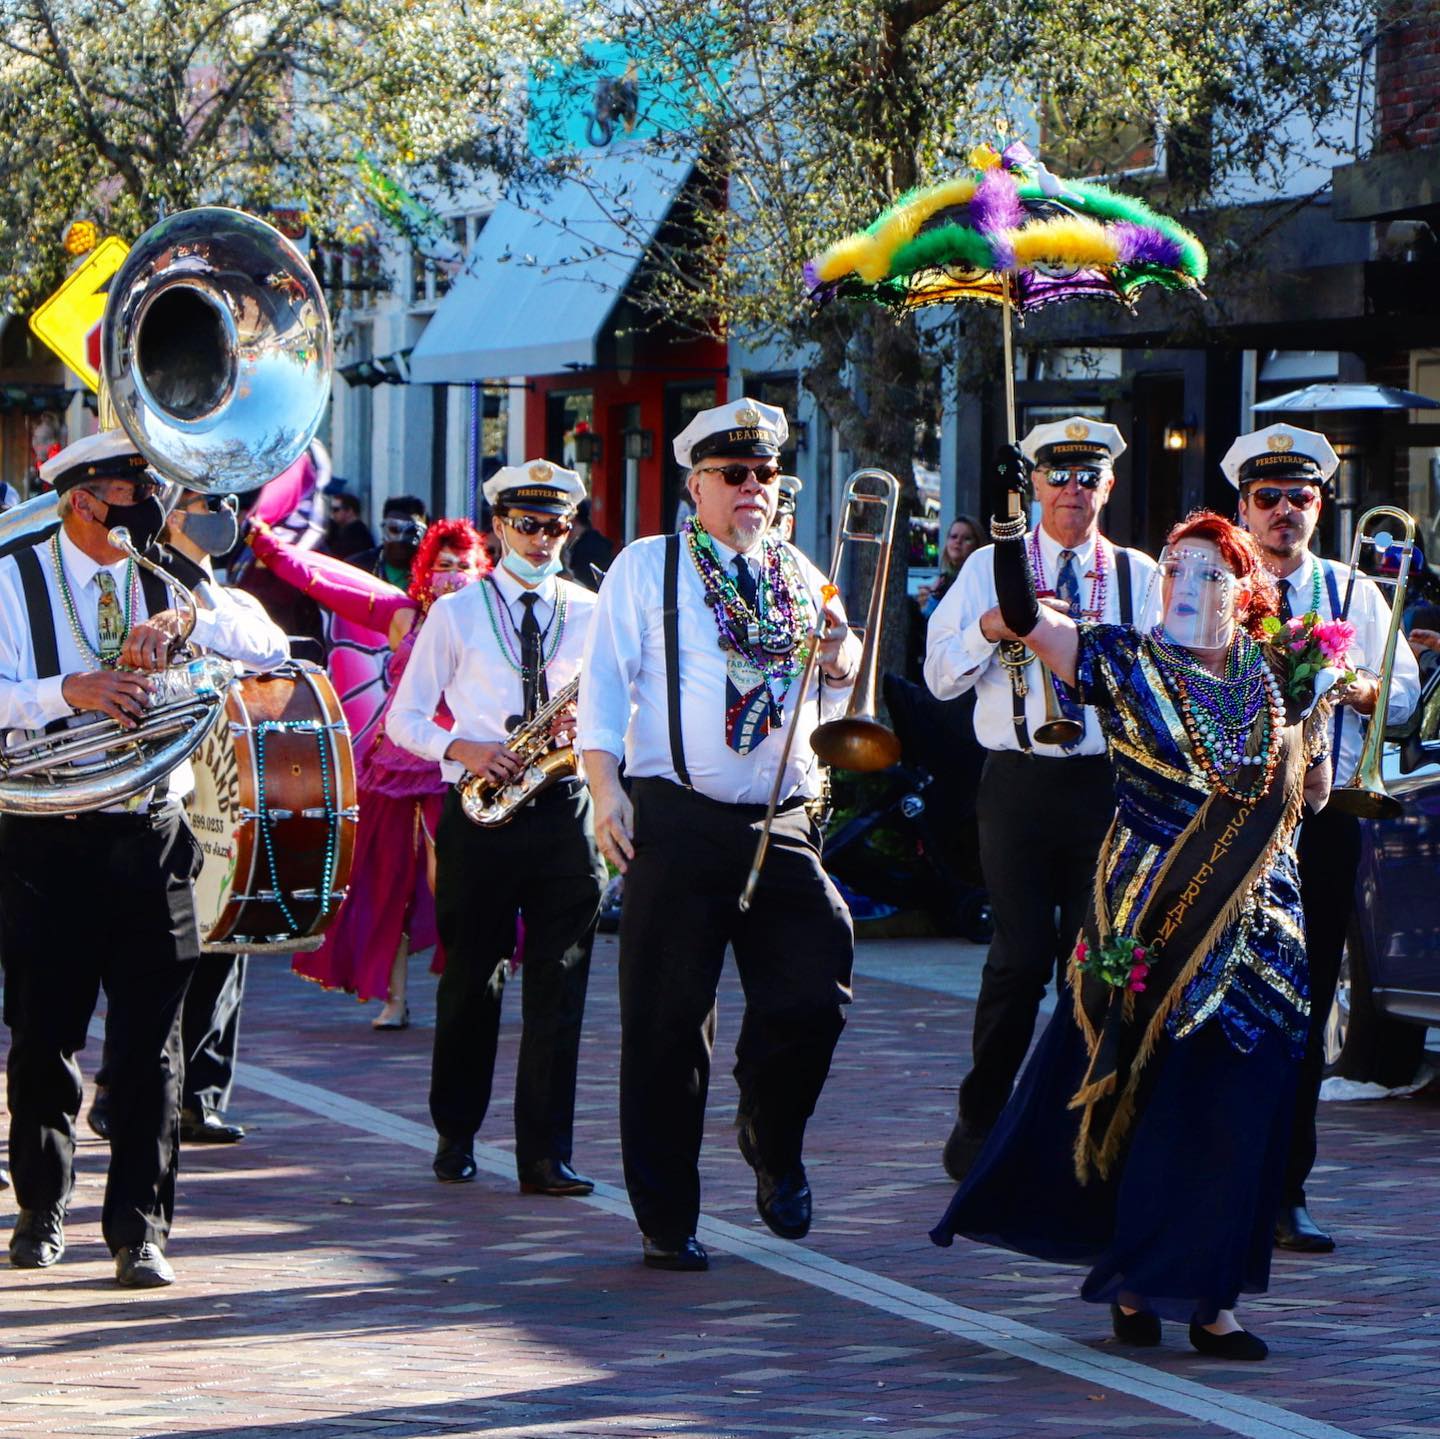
(529, 525)
(1268, 497)
(736, 475)
(1086, 479)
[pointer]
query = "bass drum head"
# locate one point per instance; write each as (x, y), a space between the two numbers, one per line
(214, 812)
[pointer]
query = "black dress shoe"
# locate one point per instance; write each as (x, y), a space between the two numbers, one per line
(143, 1266)
(1294, 1229)
(782, 1200)
(207, 1127)
(39, 1238)
(1140, 1329)
(688, 1254)
(98, 1115)
(454, 1162)
(554, 1176)
(1242, 1344)
(962, 1149)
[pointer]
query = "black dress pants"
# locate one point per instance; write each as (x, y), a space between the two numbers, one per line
(100, 899)
(544, 866)
(1042, 822)
(794, 950)
(1329, 852)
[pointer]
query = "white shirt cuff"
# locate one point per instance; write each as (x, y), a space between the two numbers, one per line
(976, 649)
(604, 739)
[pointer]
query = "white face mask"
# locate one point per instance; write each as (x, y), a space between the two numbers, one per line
(1200, 606)
(529, 573)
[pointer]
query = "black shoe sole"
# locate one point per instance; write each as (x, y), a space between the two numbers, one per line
(569, 1191)
(455, 1178)
(1295, 1244)
(28, 1262)
(208, 1136)
(675, 1264)
(1240, 1346)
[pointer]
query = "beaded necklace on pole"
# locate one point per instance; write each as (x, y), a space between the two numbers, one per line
(770, 635)
(1099, 577)
(67, 603)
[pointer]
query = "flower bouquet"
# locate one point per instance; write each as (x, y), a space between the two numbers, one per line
(1314, 654)
(1122, 962)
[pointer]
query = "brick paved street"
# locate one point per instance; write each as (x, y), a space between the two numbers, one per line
(329, 1287)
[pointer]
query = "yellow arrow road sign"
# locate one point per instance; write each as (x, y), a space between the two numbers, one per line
(67, 319)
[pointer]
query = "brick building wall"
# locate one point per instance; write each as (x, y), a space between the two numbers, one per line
(1407, 74)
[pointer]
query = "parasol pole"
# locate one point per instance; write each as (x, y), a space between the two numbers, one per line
(1013, 499)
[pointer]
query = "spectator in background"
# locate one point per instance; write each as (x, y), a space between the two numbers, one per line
(46, 440)
(587, 547)
(347, 534)
(402, 526)
(962, 541)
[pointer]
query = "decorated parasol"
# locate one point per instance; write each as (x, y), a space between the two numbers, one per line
(1010, 233)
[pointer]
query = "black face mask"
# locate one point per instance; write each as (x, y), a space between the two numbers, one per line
(145, 520)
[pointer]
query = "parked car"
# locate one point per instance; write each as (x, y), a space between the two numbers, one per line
(1390, 984)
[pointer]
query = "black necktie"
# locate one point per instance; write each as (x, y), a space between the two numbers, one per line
(745, 581)
(530, 654)
(1286, 613)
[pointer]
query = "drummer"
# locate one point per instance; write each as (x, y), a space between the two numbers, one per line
(202, 528)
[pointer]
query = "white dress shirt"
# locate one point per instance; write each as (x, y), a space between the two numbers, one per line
(624, 706)
(1370, 614)
(458, 657)
(958, 657)
(226, 624)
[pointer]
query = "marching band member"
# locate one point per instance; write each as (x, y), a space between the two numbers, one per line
(495, 652)
(696, 644)
(787, 496)
(1035, 799)
(1281, 473)
(80, 624)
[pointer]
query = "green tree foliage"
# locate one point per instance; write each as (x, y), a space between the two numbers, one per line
(124, 110)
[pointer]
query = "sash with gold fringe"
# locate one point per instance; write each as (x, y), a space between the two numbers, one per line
(1201, 886)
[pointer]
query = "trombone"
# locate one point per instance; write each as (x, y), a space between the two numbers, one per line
(856, 741)
(1365, 795)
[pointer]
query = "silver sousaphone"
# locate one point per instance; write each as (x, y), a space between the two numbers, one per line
(216, 358)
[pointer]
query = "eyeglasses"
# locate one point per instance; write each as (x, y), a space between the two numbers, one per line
(529, 525)
(736, 475)
(1086, 479)
(1268, 497)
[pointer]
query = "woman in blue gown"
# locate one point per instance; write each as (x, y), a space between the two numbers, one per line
(1147, 1136)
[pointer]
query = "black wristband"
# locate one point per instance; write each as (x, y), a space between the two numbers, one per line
(1015, 587)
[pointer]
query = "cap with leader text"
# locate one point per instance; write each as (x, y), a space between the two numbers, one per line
(1280, 452)
(743, 428)
(535, 485)
(109, 455)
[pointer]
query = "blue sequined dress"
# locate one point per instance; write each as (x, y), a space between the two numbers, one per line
(1183, 1224)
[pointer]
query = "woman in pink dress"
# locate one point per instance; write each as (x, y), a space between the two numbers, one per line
(389, 911)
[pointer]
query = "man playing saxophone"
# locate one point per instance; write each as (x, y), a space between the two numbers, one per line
(101, 897)
(496, 653)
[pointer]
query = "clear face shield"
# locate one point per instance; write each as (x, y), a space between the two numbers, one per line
(1199, 593)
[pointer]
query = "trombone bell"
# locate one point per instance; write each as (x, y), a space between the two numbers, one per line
(856, 742)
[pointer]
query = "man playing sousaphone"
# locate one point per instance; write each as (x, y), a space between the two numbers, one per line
(1146, 1139)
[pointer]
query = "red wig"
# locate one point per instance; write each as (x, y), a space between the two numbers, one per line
(458, 535)
(1258, 596)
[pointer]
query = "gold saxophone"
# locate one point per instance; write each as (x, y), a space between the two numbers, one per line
(489, 803)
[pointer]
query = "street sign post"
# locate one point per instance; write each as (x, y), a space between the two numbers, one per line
(69, 321)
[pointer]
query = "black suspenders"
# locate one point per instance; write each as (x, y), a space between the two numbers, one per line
(672, 657)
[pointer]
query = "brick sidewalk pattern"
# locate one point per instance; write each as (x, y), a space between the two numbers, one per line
(329, 1287)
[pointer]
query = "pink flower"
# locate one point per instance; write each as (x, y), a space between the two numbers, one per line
(1335, 639)
(1294, 626)
(1299, 645)
(1136, 986)
(1138, 954)
(1080, 951)
(1139, 971)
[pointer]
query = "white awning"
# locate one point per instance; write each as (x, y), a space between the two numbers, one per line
(545, 273)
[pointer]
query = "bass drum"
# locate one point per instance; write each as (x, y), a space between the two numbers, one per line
(274, 810)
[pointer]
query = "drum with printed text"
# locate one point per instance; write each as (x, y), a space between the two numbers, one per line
(274, 810)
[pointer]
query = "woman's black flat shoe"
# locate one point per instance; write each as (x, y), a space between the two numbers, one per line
(1141, 1329)
(1242, 1344)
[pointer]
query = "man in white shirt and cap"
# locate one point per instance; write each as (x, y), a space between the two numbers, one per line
(1281, 473)
(101, 897)
(496, 652)
(1043, 808)
(690, 674)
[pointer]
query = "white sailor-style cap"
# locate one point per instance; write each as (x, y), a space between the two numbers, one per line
(1074, 441)
(535, 485)
(789, 487)
(1280, 452)
(743, 428)
(108, 455)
